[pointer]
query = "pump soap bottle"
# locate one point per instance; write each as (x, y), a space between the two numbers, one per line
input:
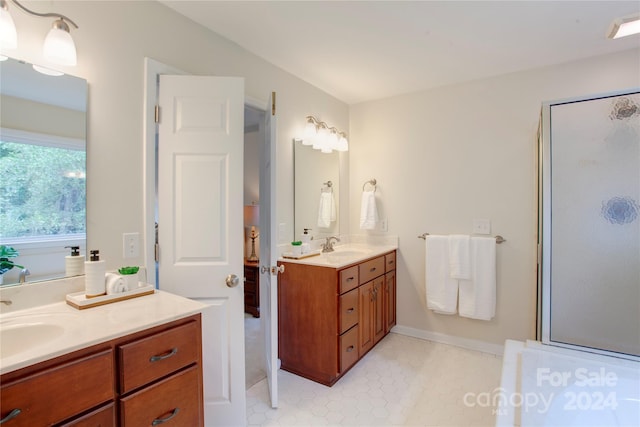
(74, 263)
(306, 239)
(95, 272)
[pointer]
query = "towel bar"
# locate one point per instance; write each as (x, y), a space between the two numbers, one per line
(499, 238)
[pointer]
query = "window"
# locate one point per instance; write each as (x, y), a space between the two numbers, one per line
(42, 187)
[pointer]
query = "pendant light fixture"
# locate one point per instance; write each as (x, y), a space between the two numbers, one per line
(58, 47)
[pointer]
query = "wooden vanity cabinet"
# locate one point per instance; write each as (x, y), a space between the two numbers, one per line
(150, 373)
(329, 318)
(251, 288)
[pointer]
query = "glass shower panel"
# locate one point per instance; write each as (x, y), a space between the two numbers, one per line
(593, 214)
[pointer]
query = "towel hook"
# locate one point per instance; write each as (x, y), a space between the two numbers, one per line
(373, 182)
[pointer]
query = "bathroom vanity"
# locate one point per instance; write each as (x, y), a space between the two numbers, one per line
(333, 309)
(131, 363)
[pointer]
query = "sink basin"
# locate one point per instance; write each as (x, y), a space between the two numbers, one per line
(19, 337)
(21, 333)
(348, 253)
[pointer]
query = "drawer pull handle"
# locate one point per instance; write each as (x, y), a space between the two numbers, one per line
(11, 415)
(372, 270)
(159, 421)
(167, 355)
(350, 279)
(350, 349)
(350, 310)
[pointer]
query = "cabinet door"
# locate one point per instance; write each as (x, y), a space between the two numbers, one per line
(378, 321)
(365, 326)
(390, 300)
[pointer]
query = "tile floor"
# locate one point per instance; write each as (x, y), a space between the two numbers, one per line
(403, 381)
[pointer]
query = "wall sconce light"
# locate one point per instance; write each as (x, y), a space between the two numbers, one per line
(58, 46)
(322, 137)
(252, 219)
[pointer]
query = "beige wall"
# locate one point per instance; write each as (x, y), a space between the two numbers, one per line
(112, 41)
(446, 156)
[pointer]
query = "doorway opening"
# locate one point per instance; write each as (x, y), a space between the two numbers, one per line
(254, 134)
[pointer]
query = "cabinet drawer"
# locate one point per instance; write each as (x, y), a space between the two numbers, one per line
(55, 394)
(251, 274)
(153, 357)
(348, 310)
(349, 279)
(176, 400)
(371, 269)
(390, 262)
(348, 349)
(101, 417)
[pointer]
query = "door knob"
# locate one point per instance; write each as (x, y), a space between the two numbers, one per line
(232, 280)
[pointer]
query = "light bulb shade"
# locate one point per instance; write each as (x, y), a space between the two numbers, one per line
(251, 215)
(58, 45)
(8, 34)
(343, 144)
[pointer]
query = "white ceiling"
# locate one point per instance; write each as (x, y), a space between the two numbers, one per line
(363, 50)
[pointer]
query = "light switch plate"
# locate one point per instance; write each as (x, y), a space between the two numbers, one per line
(481, 226)
(131, 245)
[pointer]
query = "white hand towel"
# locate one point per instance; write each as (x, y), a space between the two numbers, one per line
(442, 290)
(115, 284)
(326, 210)
(459, 256)
(478, 295)
(368, 211)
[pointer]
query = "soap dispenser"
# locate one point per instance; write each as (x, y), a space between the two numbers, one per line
(74, 263)
(95, 272)
(306, 239)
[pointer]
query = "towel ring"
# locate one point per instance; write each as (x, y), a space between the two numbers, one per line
(373, 182)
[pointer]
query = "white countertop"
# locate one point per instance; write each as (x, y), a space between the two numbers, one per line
(73, 329)
(344, 255)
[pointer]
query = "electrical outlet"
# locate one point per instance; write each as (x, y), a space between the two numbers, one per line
(482, 226)
(130, 245)
(384, 225)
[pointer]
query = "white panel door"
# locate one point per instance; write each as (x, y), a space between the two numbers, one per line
(200, 187)
(269, 251)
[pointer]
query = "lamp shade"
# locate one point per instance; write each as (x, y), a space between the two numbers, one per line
(251, 215)
(58, 46)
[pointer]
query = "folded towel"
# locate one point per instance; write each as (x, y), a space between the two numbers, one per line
(326, 210)
(368, 211)
(459, 256)
(115, 284)
(442, 290)
(478, 295)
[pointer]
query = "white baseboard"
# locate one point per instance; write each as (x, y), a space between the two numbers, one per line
(468, 343)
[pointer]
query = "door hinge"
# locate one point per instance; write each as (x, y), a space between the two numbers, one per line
(156, 117)
(273, 103)
(156, 246)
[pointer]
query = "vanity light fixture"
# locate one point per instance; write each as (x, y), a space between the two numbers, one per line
(322, 137)
(623, 27)
(58, 46)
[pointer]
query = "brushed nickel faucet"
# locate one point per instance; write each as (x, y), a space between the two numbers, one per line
(328, 245)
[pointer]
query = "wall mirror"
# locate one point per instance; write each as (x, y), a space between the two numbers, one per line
(317, 185)
(42, 169)
(590, 222)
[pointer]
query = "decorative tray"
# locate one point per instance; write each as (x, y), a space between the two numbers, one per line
(307, 255)
(80, 301)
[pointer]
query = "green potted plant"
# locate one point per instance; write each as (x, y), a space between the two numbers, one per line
(7, 252)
